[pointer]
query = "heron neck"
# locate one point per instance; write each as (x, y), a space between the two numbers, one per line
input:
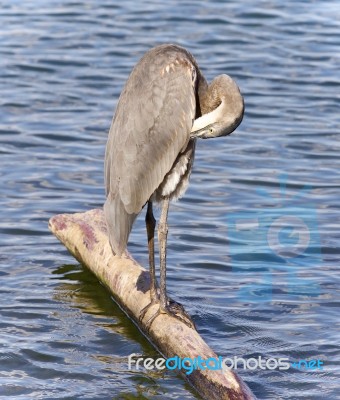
(209, 118)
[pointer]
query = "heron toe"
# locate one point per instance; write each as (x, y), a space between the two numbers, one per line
(173, 309)
(176, 310)
(144, 310)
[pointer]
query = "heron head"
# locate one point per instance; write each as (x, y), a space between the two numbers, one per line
(225, 107)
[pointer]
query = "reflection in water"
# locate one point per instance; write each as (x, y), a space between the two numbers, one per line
(90, 316)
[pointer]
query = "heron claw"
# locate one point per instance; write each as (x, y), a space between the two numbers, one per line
(145, 310)
(176, 310)
(173, 309)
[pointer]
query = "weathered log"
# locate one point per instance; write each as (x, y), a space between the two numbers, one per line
(85, 236)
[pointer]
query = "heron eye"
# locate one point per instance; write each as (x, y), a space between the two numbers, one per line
(211, 130)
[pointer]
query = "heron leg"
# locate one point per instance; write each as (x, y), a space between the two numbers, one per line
(150, 223)
(171, 308)
(150, 228)
(162, 239)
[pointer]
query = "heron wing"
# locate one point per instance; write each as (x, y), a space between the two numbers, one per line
(151, 127)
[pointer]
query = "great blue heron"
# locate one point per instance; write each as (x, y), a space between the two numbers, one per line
(165, 105)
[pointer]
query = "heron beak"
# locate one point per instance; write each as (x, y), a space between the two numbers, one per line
(203, 133)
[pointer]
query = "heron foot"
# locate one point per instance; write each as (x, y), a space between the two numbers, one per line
(154, 300)
(173, 309)
(176, 310)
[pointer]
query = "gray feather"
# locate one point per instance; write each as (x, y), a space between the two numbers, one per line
(151, 127)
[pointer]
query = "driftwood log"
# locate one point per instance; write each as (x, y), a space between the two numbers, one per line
(85, 236)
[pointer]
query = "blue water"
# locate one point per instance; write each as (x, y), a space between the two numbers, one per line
(254, 244)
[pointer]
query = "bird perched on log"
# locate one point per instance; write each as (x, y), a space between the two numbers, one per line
(165, 106)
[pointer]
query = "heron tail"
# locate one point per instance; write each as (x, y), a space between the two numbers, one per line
(119, 223)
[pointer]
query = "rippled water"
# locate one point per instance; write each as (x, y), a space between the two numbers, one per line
(62, 67)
